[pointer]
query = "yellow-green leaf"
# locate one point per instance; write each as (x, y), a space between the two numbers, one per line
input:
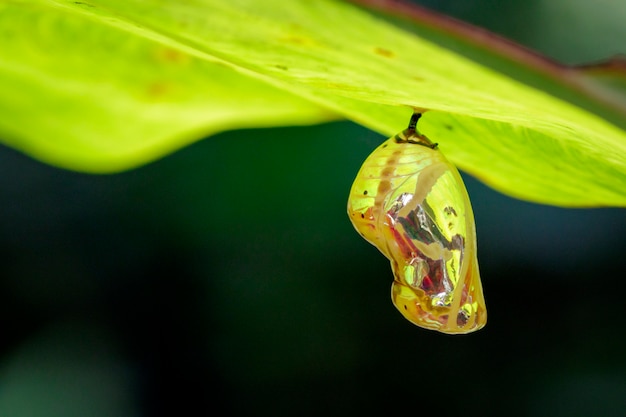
(548, 141)
(96, 94)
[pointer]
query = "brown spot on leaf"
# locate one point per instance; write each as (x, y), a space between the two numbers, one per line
(171, 55)
(384, 52)
(301, 41)
(158, 89)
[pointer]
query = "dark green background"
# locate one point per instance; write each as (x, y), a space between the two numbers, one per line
(228, 277)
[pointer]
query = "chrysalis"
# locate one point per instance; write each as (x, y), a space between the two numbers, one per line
(410, 202)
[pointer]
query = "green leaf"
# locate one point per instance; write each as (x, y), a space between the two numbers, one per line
(96, 94)
(125, 81)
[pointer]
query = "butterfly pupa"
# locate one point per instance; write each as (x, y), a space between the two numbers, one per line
(411, 203)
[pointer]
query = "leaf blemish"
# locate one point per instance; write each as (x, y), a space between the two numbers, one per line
(172, 55)
(299, 40)
(384, 52)
(158, 90)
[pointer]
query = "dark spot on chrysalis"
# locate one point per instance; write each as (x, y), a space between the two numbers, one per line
(449, 127)
(365, 192)
(385, 186)
(450, 210)
(362, 215)
(385, 145)
(405, 307)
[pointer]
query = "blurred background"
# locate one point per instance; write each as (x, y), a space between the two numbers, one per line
(226, 279)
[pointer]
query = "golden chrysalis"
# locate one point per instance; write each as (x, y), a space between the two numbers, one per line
(411, 203)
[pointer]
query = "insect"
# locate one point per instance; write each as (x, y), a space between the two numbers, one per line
(411, 203)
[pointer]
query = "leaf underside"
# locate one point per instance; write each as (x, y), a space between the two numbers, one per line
(102, 86)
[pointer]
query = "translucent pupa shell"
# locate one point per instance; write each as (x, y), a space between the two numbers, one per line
(411, 203)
